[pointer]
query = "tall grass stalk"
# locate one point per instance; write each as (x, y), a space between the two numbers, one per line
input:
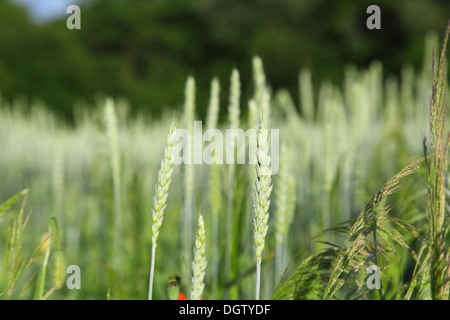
(306, 94)
(430, 276)
(284, 202)
(113, 140)
(259, 79)
(160, 198)
(261, 96)
(436, 169)
(188, 171)
(262, 199)
(234, 123)
(253, 115)
(214, 185)
(213, 105)
(326, 110)
(58, 183)
(265, 108)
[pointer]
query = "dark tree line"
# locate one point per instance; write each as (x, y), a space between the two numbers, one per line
(144, 50)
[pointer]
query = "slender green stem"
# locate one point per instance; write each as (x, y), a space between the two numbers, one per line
(188, 172)
(229, 225)
(152, 271)
(234, 122)
(113, 137)
(215, 256)
(258, 278)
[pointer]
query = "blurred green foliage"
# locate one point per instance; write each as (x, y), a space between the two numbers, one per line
(144, 50)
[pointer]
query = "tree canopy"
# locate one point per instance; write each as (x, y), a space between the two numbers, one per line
(144, 50)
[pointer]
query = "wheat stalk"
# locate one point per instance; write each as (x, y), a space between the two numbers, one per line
(265, 108)
(306, 94)
(214, 184)
(112, 133)
(234, 122)
(235, 95)
(284, 201)
(58, 182)
(188, 169)
(262, 198)
(213, 105)
(259, 78)
(252, 121)
(160, 198)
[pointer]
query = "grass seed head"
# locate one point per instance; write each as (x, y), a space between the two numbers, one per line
(163, 183)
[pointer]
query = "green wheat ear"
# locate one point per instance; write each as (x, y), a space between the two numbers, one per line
(163, 184)
(235, 95)
(160, 198)
(259, 78)
(262, 197)
(199, 263)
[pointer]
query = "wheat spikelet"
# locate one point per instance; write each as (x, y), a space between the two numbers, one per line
(213, 106)
(259, 78)
(262, 197)
(163, 182)
(306, 94)
(265, 108)
(252, 114)
(199, 262)
(235, 95)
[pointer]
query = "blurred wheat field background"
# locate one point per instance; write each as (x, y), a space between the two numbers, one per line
(97, 178)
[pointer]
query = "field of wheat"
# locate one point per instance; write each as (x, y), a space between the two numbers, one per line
(361, 182)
